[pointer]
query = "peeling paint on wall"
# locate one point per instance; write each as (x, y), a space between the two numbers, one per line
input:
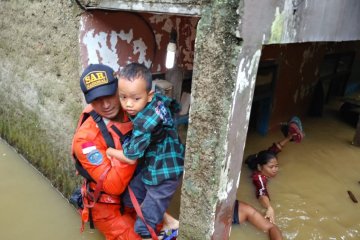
(117, 38)
(225, 186)
(245, 77)
(109, 39)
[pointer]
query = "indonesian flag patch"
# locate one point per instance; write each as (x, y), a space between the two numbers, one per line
(88, 147)
(92, 154)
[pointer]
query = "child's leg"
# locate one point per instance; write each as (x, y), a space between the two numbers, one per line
(170, 227)
(137, 185)
(155, 204)
(170, 222)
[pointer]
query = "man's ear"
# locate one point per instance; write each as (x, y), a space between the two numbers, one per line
(150, 95)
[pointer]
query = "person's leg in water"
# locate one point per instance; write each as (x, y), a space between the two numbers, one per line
(294, 128)
(248, 213)
(281, 144)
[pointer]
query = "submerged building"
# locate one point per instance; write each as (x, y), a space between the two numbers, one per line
(239, 65)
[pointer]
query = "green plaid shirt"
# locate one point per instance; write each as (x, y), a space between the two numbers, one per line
(155, 139)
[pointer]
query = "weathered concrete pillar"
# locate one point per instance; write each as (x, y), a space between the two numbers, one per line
(223, 82)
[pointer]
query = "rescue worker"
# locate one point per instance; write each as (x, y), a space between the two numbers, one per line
(107, 179)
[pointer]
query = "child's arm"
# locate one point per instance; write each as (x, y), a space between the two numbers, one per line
(265, 202)
(119, 155)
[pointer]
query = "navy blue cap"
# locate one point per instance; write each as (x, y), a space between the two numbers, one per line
(98, 80)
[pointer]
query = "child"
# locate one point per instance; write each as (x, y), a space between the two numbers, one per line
(154, 140)
(265, 165)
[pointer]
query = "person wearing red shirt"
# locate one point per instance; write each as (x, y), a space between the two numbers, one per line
(265, 165)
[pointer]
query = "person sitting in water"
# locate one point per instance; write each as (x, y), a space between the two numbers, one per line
(244, 212)
(265, 165)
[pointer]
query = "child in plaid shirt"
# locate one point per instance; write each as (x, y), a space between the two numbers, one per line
(154, 141)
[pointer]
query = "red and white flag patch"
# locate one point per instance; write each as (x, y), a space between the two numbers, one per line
(88, 147)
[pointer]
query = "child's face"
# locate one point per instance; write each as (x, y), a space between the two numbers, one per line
(270, 169)
(133, 95)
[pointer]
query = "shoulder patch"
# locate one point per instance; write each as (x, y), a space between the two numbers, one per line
(95, 157)
(87, 147)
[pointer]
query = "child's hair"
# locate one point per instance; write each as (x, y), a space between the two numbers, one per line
(261, 158)
(134, 71)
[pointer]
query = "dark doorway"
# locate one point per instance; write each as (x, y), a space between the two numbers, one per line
(263, 97)
(334, 74)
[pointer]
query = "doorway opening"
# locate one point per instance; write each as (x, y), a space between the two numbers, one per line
(263, 97)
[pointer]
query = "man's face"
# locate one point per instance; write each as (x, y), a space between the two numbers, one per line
(133, 95)
(108, 106)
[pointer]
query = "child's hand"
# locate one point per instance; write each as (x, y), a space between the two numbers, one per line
(108, 152)
(270, 214)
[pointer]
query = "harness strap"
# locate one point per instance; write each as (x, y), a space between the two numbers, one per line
(82, 170)
(139, 213)
(86, 214)
(91, 219)
(101, 124)
(122, 137)
(106, 135)
(95, 196)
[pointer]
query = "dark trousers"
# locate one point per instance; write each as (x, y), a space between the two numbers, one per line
(153, 199)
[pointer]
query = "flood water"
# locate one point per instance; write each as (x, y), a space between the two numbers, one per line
(309, 194)
(30, 208)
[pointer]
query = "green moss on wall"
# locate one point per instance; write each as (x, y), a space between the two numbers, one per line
(277, 27)
(216, 56)
(32, 141)
(39, 89)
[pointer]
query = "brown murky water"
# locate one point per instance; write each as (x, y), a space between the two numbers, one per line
(30, 208)
(309, 194)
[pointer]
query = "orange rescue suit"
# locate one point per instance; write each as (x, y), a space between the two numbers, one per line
(106, 215)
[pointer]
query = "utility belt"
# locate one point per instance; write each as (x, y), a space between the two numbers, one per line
(103, 198)
(89, 198)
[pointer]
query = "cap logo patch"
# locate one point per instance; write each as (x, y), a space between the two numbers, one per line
(94, 79)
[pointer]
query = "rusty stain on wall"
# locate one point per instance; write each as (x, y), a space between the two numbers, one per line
(117, 38)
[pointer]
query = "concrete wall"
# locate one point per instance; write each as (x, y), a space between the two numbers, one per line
(289, 21)
(219, 118)
(40, 97)
(39, 88)
(183, 7)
